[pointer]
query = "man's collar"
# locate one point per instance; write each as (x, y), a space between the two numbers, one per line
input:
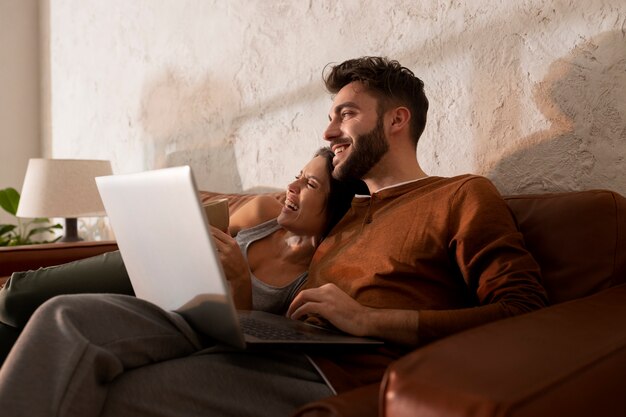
(401, 184)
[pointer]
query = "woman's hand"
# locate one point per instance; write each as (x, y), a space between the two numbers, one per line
(235, 268)
(348, 315)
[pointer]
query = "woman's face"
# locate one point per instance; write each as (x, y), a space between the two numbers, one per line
(304, 212)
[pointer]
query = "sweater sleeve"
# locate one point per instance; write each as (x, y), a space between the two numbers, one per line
(489, 250)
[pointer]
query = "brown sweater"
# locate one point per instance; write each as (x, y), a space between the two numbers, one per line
(447, 247)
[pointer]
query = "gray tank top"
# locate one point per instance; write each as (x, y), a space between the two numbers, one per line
(264, 296)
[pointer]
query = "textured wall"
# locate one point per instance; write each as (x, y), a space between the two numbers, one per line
(530, 93)
(19, 91)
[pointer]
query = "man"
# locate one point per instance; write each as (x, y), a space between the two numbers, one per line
(422, 258)
(444, 252)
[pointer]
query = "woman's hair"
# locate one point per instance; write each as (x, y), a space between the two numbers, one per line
(391, 83)
(341, 192)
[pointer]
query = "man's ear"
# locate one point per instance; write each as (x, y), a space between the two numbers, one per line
(400, 118)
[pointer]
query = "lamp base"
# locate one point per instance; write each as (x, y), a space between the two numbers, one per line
(71, 231)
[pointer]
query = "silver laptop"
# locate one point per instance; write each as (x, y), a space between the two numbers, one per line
(163, 236)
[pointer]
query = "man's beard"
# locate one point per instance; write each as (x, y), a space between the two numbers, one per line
(367, 150)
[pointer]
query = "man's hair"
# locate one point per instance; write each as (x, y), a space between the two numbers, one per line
(391, 83)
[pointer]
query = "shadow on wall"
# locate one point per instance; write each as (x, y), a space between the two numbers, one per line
(198, 122)
(188, 123)
(582, 98)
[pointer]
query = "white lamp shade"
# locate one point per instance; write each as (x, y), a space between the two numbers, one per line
(62, 188)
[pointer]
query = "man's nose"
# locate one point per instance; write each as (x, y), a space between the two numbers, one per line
(332, 131)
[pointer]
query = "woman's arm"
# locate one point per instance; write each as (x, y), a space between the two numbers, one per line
(256, 211)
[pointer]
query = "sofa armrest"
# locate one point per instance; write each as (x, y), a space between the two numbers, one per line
(23, 258)
(568, 359)
(359, 402)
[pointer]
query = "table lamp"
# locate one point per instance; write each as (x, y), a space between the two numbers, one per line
(63, 188)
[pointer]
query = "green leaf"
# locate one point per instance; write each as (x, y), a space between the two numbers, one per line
(36, 242)
(6, 228)
(9, 200)
(20, 234)
(36, 230)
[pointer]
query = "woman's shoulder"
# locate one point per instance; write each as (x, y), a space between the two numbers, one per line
(256, 211)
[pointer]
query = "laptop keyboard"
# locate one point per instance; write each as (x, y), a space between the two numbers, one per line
(265, 331)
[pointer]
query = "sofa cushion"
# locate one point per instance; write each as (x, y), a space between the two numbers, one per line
(578, 239)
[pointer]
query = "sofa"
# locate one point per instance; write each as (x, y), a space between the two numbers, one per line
(568, 359)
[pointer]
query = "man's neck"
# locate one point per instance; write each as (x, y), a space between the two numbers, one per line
(392, 171)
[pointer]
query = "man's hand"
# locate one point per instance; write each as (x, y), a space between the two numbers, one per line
(331, 303)
(348, 315)
(235, 268)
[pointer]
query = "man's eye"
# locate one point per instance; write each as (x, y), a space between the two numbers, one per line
(311, 184)
(346, 114)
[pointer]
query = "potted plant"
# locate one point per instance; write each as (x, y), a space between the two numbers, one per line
(25, 231)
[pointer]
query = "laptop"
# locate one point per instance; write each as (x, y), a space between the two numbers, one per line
(167, 247)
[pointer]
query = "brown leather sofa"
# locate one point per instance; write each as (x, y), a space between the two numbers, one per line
(568, 359)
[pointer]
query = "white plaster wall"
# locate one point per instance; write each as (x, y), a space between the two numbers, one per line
(529, 92)
(19, 92)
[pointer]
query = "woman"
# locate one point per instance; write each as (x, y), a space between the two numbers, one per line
(275, 242)
(266, 263)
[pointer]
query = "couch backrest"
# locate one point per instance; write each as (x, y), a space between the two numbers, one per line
(578, 239)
